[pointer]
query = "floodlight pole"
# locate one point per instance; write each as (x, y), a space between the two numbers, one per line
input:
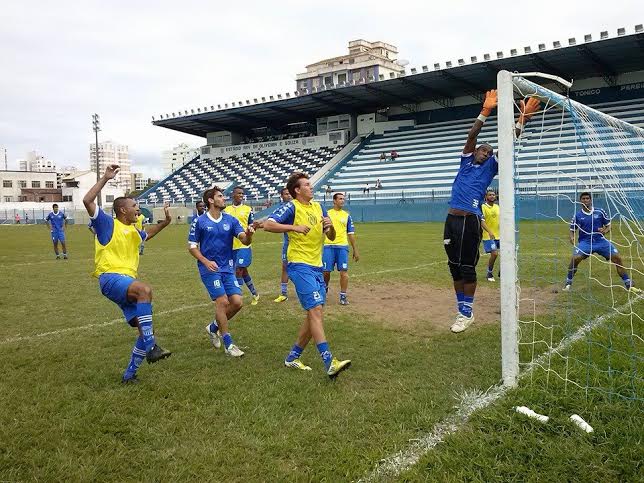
(507, 210)
(96, 126)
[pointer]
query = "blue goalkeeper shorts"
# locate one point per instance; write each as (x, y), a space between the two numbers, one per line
(602, 247)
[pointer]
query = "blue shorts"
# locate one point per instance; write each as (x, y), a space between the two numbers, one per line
(114, 286)
(601, 247)
(337, 256)
(309, 284)
(491, 245)
(219, 284)
(58, 236)
(243, 257)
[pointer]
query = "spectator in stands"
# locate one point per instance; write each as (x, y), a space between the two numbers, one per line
(383, 157)
(378, 184)
(365, 190)
(394, 155)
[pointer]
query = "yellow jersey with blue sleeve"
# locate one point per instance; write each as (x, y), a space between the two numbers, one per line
(138, 224)
(116, 245)
(244, 214)
(491, 216)
(303, 248)
(343, 225)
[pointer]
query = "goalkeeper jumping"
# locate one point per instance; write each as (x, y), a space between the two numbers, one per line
(462, 235)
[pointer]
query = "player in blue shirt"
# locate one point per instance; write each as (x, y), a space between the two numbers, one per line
(211, 243)
(592, 225)
(462, 234)
(283, 296)
(57, 222)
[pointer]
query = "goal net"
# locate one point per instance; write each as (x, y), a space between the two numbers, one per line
(571, 326)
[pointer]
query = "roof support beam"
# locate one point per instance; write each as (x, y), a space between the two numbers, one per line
(608, 74)
(471, 89)
(290, 114)
(435, 95)
(218, 127)
(335, 105)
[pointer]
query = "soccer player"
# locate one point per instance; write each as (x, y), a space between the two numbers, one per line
(336, 252)
(490, 225)
(211, 243)
(243, 255)
(139, 226)
(306, 222)
(117, 261)
(57, 222)
(592, 225)
(283, 296)
(462, 234)
(200, 208)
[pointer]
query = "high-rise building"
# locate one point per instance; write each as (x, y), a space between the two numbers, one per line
(173, 159)
(110, 152)
(36, 162)
(139, 182)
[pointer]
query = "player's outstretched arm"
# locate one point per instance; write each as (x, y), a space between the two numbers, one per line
(272, 226)
(527, 110)
(489, 104)
(246, 237)
(89, 199)
(154, 229)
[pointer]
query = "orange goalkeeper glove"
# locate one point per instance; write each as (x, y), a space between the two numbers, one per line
(528, 109)
(489, 103)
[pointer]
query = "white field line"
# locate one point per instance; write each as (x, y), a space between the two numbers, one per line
(394, 465)
(20, 338)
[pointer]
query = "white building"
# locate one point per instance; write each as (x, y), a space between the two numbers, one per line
(76, 185)
(36, 162)
(173, 159)
(110, 152)
(20, 186)
(365, 62)
(139, 182)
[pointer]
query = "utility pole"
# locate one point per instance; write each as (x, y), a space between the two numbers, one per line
(96, 126)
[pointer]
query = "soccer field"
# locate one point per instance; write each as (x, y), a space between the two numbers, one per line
(64, 416)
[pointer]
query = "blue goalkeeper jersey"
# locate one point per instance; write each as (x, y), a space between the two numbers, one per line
(471, 183)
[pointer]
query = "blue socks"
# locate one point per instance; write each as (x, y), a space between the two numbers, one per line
(571, 274)
(144, 315)
(284, 288)
(214, 327)
(296, 352)
(249, 283)
(627, 281)
(325, 353)
(228, 339)
(343, 295)
(466, 306)
(460, 297)
(138, 354)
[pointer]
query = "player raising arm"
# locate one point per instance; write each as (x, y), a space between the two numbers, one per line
(117, 260)
(462, 233)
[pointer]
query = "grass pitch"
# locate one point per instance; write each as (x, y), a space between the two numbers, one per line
(202, 416)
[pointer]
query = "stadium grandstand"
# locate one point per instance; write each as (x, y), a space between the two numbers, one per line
(343, 134)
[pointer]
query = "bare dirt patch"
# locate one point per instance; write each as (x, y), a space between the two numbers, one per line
(418, 307)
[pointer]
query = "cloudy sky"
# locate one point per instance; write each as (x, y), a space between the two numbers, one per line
(129, 60)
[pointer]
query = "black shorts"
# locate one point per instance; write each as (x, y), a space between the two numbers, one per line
(461, 238)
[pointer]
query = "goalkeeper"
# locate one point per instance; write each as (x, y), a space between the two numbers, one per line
(462, 235)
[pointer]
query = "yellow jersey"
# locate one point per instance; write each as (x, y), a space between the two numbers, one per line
(139, 222)
(116, 246)
(343, 225)
(244, 214)
(303, 248)
(491, 216)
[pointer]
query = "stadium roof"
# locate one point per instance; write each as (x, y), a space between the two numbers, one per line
(606, 58)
